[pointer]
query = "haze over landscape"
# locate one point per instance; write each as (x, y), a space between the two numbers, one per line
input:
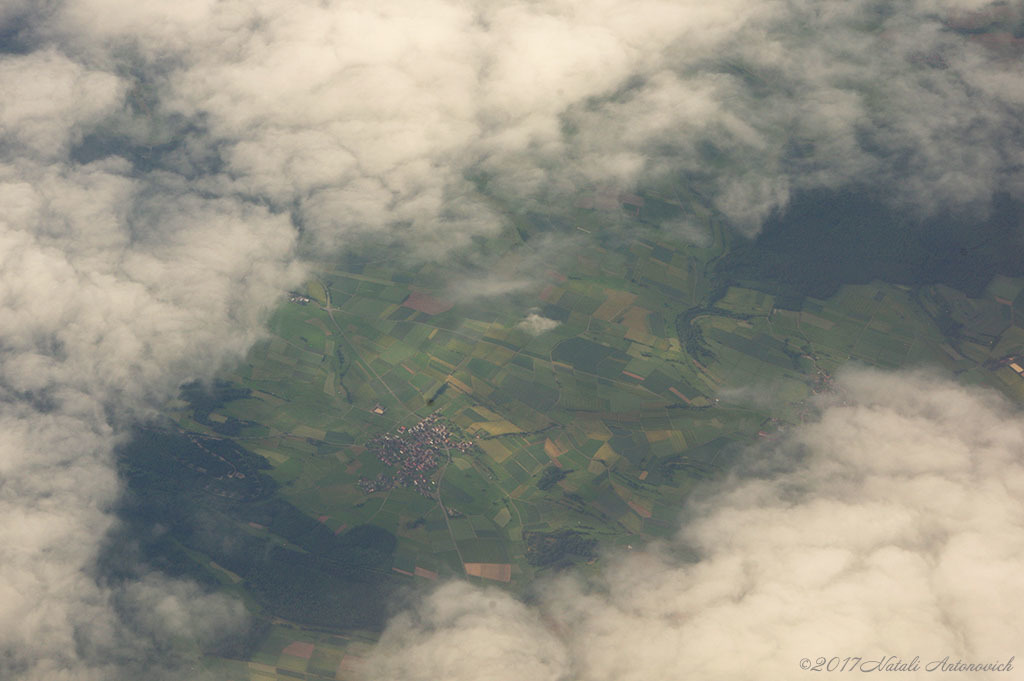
(170, 172)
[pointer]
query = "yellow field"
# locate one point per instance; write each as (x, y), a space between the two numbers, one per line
(495, 450)
(494, 353)
(614, 303)
(499, 427)
(481, 387)
(606, 454)
(457, 383)
(499, 572)
(235, 579)
(502, 518)
(635, 319)
(302, 430)
(553, 449)
(486, 413)
(597, 430)
(674, 436)
(273, 455)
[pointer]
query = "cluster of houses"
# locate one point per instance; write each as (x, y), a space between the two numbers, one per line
(416, 452)
(823, 382)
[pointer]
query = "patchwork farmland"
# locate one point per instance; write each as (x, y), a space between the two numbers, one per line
(652, 371)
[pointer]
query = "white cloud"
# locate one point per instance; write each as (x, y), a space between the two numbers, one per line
(369, 117)
(472, 630)
(893, 525)
(49, 100)
(421, 124)
(115, 287)
(536, 324)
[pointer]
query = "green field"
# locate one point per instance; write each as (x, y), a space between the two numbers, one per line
(631, 394)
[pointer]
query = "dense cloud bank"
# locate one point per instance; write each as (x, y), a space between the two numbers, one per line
(162, 164)
(891, 525)
(115, 287)
(388, 118)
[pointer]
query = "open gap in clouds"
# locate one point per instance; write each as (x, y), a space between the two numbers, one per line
(122, 277)
(891, 525)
